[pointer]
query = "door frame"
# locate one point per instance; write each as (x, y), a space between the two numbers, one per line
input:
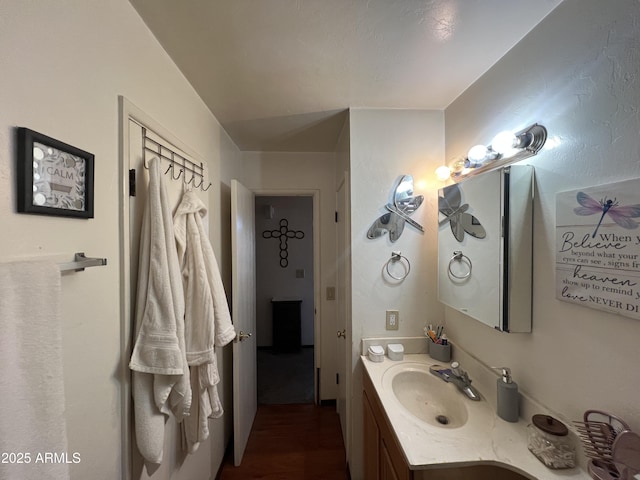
(317, 331)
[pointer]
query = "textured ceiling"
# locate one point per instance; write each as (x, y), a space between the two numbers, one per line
(279, 74)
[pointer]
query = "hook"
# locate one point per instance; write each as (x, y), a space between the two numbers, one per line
(179, 173)
(200, 184)
(208, 186)
(172, 170)
(190, 181)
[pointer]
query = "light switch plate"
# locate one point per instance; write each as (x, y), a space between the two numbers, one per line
(331, 293)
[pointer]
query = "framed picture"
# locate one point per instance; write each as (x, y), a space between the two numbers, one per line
(53, 178)
(598, 247)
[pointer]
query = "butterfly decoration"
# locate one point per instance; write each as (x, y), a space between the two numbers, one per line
(398, 213)
(606, 206)
(455, 212)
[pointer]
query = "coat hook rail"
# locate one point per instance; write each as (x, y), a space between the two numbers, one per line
(81, 262)
(186, 166)
(174, 158)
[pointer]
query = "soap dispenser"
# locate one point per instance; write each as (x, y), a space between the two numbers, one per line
(507, 397)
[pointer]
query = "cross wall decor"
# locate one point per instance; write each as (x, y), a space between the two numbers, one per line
(284, 234)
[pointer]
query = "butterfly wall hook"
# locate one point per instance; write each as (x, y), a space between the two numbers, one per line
(398, 212)
(621, 215)
(455, 212)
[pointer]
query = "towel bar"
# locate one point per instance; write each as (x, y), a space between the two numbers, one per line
(81, 262)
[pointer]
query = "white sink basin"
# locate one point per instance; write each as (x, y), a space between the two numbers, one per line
(426, 396)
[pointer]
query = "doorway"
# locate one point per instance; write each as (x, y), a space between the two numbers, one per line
(285, 298)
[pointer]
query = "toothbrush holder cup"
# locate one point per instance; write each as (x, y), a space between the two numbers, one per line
(440, 352)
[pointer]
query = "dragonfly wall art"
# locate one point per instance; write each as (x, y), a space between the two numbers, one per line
(455, 212)
(622, 215)
(398, 213)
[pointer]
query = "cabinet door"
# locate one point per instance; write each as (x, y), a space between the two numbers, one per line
(372, 442)
(488, 277)
(387, 472)
(475, 288)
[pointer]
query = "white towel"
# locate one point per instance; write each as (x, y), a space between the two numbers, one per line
(32, 405)
(207, 318)
(159, 363)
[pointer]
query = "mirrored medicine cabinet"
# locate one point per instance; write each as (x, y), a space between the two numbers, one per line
(485, 234)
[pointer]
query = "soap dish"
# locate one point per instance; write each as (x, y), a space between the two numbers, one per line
(395, 351)
(376, 353)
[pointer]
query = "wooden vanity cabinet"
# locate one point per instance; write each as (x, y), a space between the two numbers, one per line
(383, 458)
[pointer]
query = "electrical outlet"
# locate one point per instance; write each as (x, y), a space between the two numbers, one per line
(393, 319)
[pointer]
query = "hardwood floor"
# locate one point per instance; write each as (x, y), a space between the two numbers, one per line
(292, 442)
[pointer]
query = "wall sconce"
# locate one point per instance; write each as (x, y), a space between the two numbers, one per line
(506, 147)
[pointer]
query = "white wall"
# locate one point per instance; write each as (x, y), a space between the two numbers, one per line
(384, 145)
(577, 73)
(64, 64)
(288, 174)
(273, 280)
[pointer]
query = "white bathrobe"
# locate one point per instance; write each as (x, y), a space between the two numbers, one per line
(207, 318)
(160, 372)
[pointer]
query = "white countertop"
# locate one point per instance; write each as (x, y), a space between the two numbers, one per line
(484, 438)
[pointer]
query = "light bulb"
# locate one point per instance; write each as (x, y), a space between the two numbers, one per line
(478, 154)
(456, 166)
(443, 172)
(504, 142)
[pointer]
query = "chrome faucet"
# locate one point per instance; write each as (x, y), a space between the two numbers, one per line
(461, 379)
(458, 377)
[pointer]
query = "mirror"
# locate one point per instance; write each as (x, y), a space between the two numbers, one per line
(398, 212)
(455, 214)
(485, 247)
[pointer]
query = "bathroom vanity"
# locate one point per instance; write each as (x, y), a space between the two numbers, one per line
(476, 445)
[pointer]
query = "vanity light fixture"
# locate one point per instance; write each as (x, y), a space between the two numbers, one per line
(505, 148)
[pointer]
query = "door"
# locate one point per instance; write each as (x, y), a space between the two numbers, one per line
(135, 158)
(245, 391)
(343, 337)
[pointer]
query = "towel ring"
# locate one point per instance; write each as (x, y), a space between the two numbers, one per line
(398, 257)
(458, 256)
